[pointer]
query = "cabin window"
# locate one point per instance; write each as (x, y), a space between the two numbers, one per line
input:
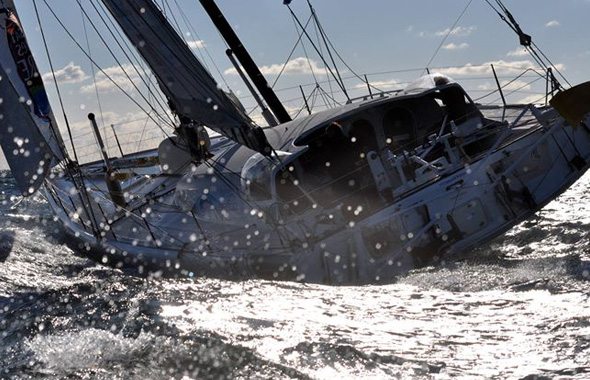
(458, 106)
(289, 189)
(363, 137)
(399, 127)
(256, 177)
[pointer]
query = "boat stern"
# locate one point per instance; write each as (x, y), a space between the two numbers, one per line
(574, 104)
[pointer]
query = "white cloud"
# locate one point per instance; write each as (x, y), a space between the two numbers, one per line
(487, 86)
(459, 31)
(518, 52)
(552, 24)
(517, 85)
(383, 84)
(299, 65)
(259, 119)
(71, 73)
(502, 67)
(135, 131)
(199, 44)
(534, 99)
(454, 46)
(117, 74)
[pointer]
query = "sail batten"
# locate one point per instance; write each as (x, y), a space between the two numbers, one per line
(191, 90)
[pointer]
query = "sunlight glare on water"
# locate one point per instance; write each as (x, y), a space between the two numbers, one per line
(483, 334)
(516, 308)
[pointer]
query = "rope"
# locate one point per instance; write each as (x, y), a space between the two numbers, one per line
(341, 85)
(160, 100)
(69, 169)
(98, 66)
(93, 74)
(142, 134)
(56, 85)
(292, 52)
(194, 31)
(330, 45)
(305, 51)
(170, 122)
(317, 32)
(510, 82)
(447, 36)
(526, 41)
(323, 35)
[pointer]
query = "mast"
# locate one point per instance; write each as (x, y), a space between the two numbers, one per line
(268, 116)
(527, 41)
(246, 60)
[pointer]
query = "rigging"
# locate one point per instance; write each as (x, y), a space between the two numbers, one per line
(336, 76)
(56, 86)
(136, 62)
(446, 36)
(530, 46)
(102, 70)
(82, 13)
(244, 57)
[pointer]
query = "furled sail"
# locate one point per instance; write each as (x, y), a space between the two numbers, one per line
(191, 90)
(28, 132)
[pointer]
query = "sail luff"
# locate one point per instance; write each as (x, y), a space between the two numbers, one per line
(29, 135)
(26, 150)
(21, 70)
(191, 90)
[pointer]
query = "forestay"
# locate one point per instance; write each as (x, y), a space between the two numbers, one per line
(28, 132)
(191, 90)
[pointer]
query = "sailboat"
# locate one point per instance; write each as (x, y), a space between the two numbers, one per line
(355, 194)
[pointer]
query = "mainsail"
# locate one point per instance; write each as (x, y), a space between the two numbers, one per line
(28, 132)
(190, 89)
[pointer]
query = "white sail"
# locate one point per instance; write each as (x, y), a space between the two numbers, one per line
(191, 90)
(21, 70)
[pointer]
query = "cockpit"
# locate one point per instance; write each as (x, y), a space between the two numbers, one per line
(334, 168)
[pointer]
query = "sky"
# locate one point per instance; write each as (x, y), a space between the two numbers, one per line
(389, 41)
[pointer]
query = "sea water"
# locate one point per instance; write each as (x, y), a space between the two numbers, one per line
(517, 308)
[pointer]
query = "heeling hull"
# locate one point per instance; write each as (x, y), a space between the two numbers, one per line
(444, 217)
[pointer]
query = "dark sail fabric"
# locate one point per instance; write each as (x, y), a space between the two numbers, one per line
(21, 70)
(25, 149)
(191, 90)
(28, 133)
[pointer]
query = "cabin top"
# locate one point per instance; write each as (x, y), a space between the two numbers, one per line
(412, 112)
(335, 140)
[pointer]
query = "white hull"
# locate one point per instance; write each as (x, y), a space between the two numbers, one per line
(351, 195)
(446, 214)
